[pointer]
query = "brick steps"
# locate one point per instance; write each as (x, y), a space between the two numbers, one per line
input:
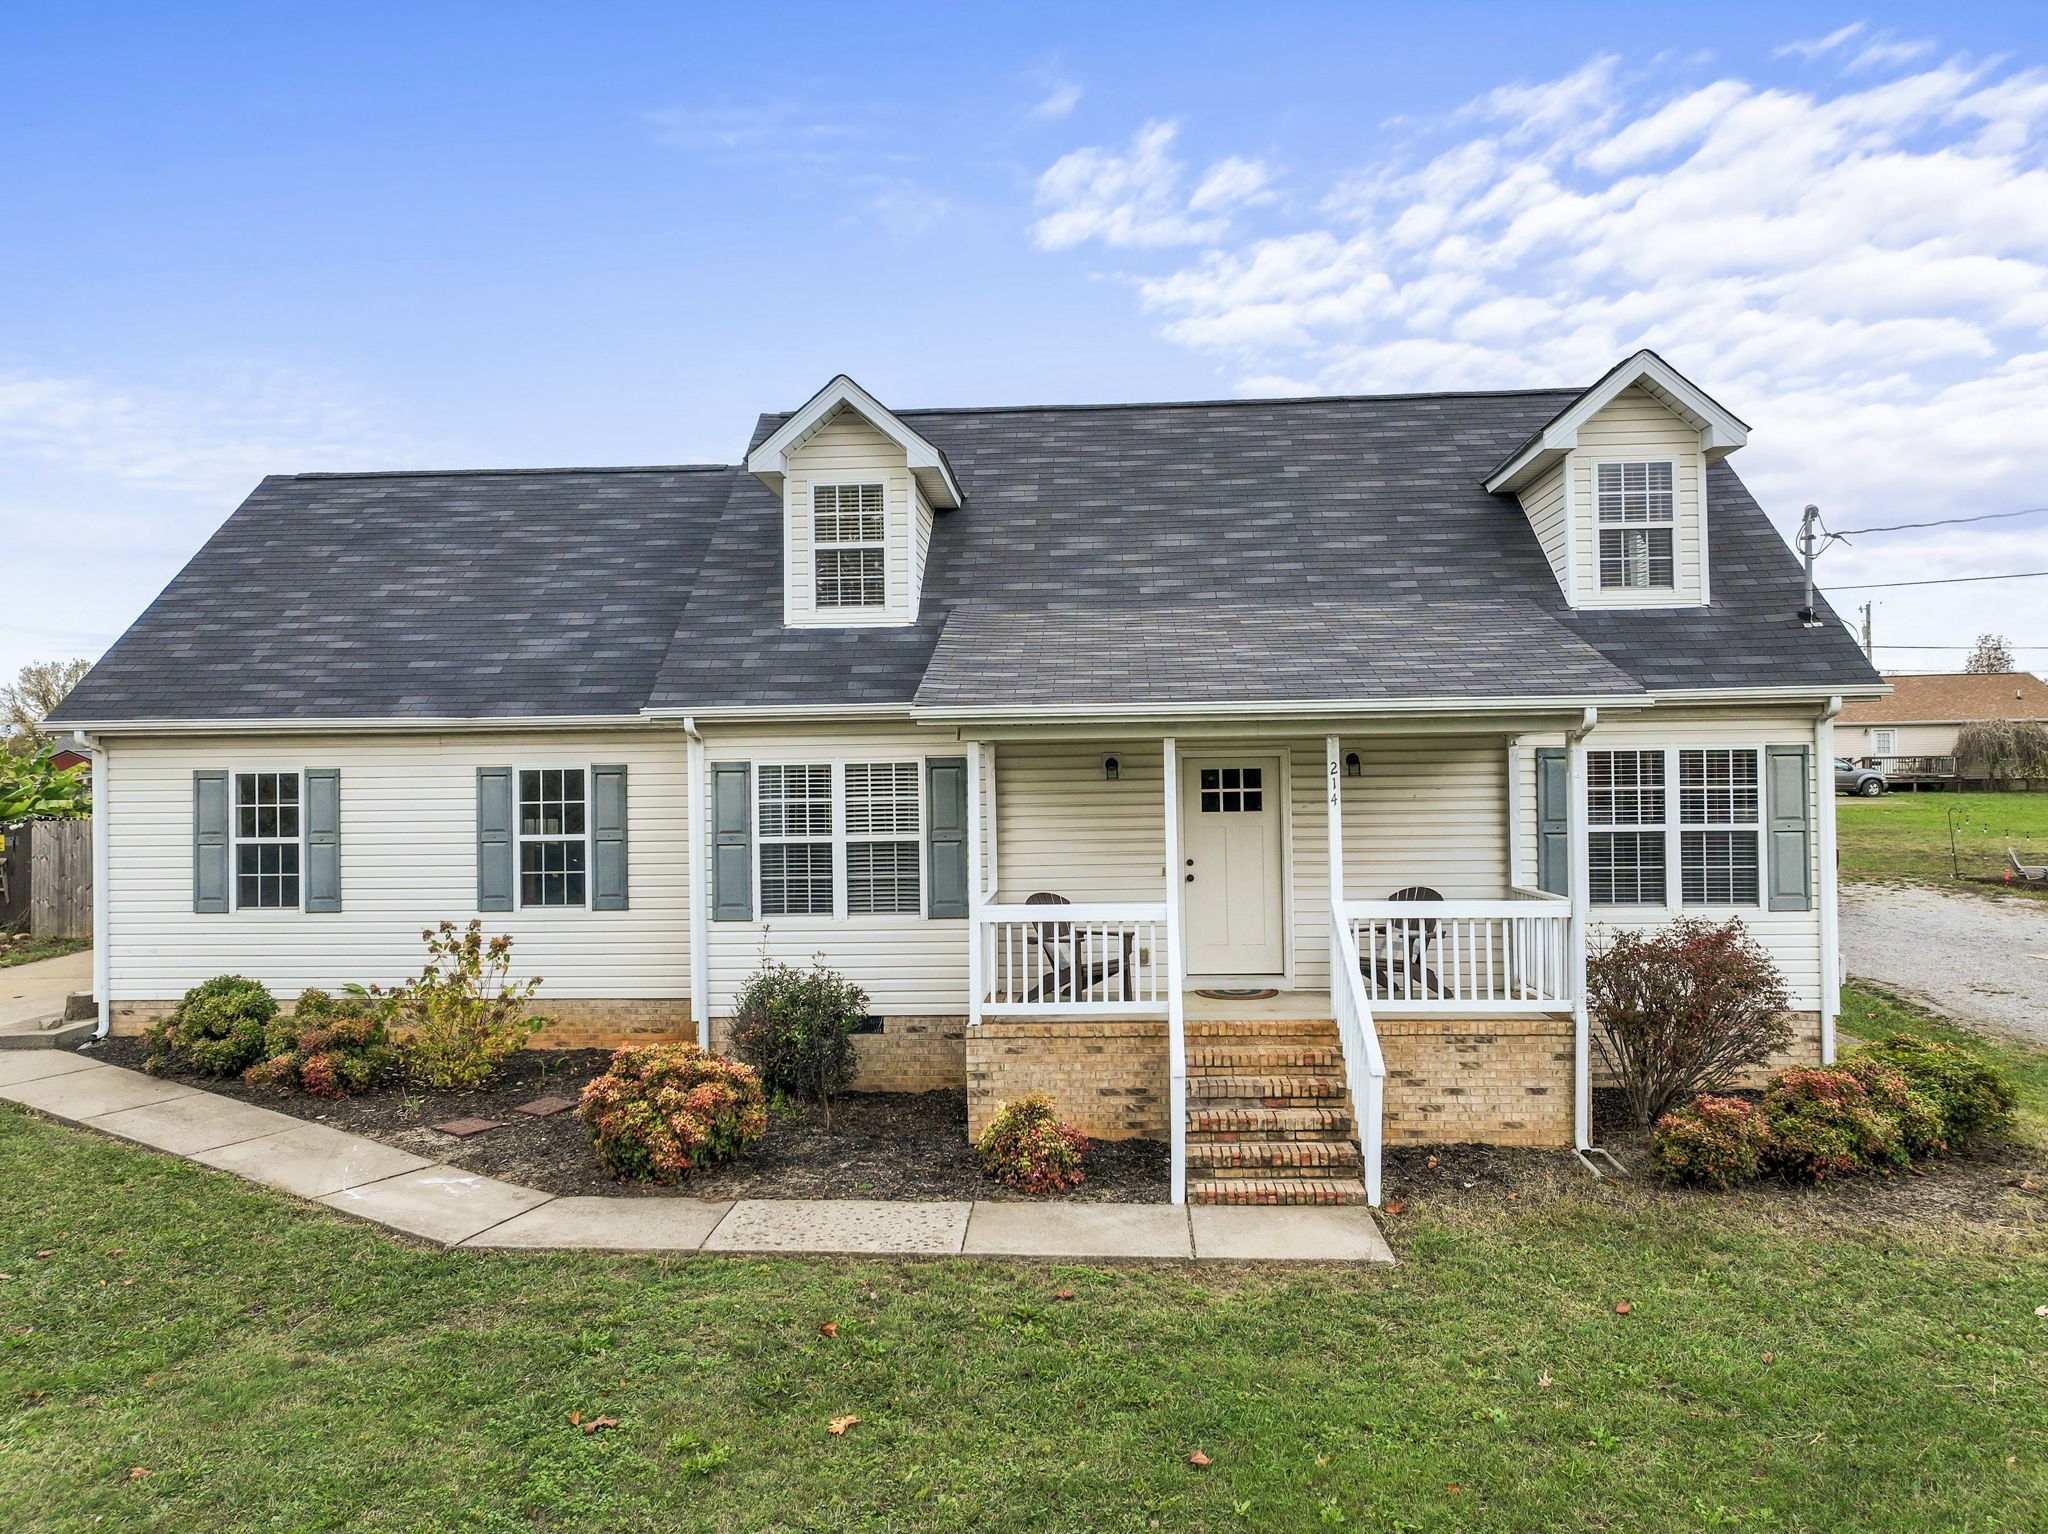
(1276, 1190)
(1269, 1114)
(1261, 1028)
(1239, 1120)
(1276, 1091)
(1264, 1058)
(1231, 1158)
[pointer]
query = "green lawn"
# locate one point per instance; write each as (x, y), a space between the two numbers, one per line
(1906, 836)
(1871, 1012)
(41, 948)
(273, 1366)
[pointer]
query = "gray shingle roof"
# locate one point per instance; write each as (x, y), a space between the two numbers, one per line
(602, 591)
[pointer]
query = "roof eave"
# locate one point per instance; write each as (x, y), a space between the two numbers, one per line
(929, 465)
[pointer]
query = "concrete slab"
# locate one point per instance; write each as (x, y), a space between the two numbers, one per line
(30, 991)
(312, 1160)
(839, 1225)
(35, 1064)
(1346, 1233)
(610, 1224)
(200, 1122)
(442, 1203)
(1082, 1231)
(81, 1095)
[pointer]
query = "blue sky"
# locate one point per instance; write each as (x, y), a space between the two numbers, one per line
(240, 240)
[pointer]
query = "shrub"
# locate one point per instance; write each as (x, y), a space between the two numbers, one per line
(1027, 1147)
(1716, 1142)
(794, 1026)
(1684, 1008)
(662, 1111)
(1969, 1095)
(1823, 1124)
(460, 1018)
(329, 1047)
(1914, 1115)
(216, 1029)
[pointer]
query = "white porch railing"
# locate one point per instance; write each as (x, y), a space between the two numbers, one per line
(1102, 960)
(1467, 956)
(1365, 1068)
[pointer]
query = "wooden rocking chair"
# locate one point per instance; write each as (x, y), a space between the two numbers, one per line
(1070, 972)
(1405, 974)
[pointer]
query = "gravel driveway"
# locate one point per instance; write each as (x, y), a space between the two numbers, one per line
(1982, 958)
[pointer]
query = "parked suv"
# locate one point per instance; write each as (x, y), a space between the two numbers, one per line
(1851, 779)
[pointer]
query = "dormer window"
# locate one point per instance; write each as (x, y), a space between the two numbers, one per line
(850, 527)
(1637, 524)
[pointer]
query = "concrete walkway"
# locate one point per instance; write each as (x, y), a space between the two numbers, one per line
(445, 1204)
(32, 992)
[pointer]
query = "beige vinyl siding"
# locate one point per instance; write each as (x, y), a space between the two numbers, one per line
(906, 964)
(1636, 426)
(848, 450)
(408, 860)
(1913, 739)
(1062, 828)
(1543, 504)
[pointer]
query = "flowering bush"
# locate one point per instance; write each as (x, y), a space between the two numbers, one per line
(462, 1015)
(1823, 1124)
(1027, 1147)
(795, 1027)
(329, 1047)
(663, 1111)
(1716, 1142)
(217, 1029)
(1969, 1095)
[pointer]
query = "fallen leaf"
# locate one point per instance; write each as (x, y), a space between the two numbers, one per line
(137, 1473)
(1543, 1380)
(1063, 1294)
(1452, 1488)
(1394, 1206)
(2012, 1459)
(1770, 1358)
(6, 1275)
(2039, 1310)
(575, 1417)
(1513, 1196)
(838, 1425)
(597, 1422)
(1430, 1162)
(23, 1331)
(1199, 1460)
(127, 1281)
(1621, 1307)
(828, 1329)
(116, 1251)
(47, 1252)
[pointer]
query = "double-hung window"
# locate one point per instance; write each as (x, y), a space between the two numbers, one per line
(1636, 517)
(554, 836)
(848, 529)
(1625, 791)
(882, 838)
(266, 840)
(841, 839)
(796, 839)
(1720, 804)
(1711, 827)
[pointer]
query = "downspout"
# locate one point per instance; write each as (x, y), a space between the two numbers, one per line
(694, 870)
(1826, 872)
(102, 959)
(1575, 883)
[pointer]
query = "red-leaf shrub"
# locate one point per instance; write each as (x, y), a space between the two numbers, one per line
(329, 1047)
(1716, 1142)
(1684, 1008)
(1027, 1147)
(663, 1111)
(1916, 1118)
(1970, 1095)
(1824, 1125)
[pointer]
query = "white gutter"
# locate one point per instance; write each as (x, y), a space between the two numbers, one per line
(356, 725)
(102, 949)
(1768, 694)
(694, 871)
(1322, 708)
(1828, 873)
(1575, 884)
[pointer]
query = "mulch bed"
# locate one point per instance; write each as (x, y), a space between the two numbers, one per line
(883, 1145)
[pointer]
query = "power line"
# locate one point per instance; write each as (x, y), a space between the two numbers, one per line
(1900, 527)
(1952, 580)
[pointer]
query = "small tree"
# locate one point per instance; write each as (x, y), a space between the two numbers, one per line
(1992, 656)
(2003, 750)
(40, 687)
(460, 1018)
(32, 787)
(795, 1027)
(1682, 1009)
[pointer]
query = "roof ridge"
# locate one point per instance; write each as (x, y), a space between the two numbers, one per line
(1204, 404)
(633, 468)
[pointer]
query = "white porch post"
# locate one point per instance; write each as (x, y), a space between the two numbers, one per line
(1513, 789)
(1824, 889)
(975, 987)
(1176, 1022)
(695, 870)
(1575, 882)
(1333, 801)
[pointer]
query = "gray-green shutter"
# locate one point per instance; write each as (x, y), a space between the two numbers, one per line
(1791, 830)
(608, 838)
(494, 870)
(1553, 821)
(945, 836)
(209, 842)
(732, 842)
(323, 839)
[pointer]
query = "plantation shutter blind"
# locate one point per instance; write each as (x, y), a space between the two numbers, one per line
(1553, 811)
(608, 838)
(209, 842)
(323, 840)
(1790, 828)
(494, 858)
(732, 842)
(946, 832)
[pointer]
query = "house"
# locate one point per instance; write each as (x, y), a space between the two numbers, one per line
(1341, 725)
(1911, 735)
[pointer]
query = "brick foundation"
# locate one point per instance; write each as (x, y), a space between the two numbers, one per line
(1503, 1081)
(1805, 1050)
(573, 1022)
(1108, 1079)
(910, 1054)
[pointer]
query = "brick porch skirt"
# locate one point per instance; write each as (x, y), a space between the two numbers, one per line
(1108, 1079)
(1501, 1081)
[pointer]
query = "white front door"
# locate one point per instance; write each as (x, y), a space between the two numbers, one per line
(1231, 881)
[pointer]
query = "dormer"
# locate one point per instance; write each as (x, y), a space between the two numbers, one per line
(1615, 486)
(859, 489)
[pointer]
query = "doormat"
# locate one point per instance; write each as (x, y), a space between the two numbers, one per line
(1227, 993)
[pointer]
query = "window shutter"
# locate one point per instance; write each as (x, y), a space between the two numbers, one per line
(209, 842)
(1553, 820)
(1791, 831)
(732, 842)
(945, 835)
(494, 860)
(608, 838)
(323, 840)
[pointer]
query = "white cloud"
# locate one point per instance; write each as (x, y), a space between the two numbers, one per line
(1133, 198)
(1060, 99)
(1814, 47)
(1860, 269)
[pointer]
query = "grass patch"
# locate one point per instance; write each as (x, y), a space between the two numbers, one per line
(41, 948)
(274, 1366)
(1872, 1012)
(1906, 836)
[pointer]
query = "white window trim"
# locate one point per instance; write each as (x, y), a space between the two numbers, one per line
(520, 838)
(236, 841)
(1675, 826)
(877, 545)
(1672, 525)
(1884, 742)
(840, 839)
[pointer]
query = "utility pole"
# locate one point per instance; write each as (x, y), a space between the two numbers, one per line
(1867, 648)
(1807, 522)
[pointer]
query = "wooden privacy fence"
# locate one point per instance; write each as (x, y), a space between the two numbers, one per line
(59, 877)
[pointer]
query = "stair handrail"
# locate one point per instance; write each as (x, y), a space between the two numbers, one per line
(1365, 1068)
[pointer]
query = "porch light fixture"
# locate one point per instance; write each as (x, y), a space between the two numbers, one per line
(1354, 765)
(1111, 768)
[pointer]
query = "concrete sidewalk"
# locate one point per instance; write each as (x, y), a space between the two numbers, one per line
(445, 1204)
(31, 993)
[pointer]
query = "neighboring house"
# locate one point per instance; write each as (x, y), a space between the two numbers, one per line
(1912, 733)
(1233, 678)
